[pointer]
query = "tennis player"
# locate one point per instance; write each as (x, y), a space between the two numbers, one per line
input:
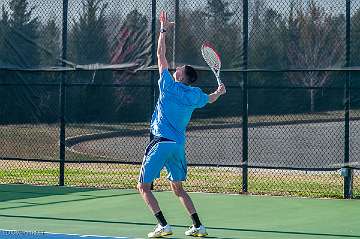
(177, 100)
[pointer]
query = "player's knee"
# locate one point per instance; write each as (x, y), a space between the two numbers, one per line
(178, 190)
(143, 188)
(139, 187)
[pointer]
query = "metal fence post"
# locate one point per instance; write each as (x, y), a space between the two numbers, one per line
(62, 94)
(153, 61)
(153, 55)
(348, 175)
(176, 27)
(245, 155)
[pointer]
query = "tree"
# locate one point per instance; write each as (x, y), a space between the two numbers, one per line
(20, 33)
(355, 58)
(22, 36)
(267, 38)
(4, 28)
(191, 23)
(49, 56)
(50, 41)
(355, 37)
(222, 30)
(132, 44)
(315, 43)
(218, 11)
(89, 45)
(267, 49)
(4, 24)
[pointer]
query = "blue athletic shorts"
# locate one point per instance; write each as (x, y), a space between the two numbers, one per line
(162, 153)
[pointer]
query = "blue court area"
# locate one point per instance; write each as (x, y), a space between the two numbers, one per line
(10, 234)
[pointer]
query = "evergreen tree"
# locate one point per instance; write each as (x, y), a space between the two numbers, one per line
(355, 37)
(23, 35)
(49, 56)
(132, 44)
(4, 24)
(50, 41)
(218, 11)
(355, 58)
(267, 41)
(89, 45)
(4, 28)
(18, 46)
(222, 30)
(191, 23)
(267, 38)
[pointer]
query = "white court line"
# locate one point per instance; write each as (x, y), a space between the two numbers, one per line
(31, 234)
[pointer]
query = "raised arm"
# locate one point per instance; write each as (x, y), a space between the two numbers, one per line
(161, 50)
(220, 91)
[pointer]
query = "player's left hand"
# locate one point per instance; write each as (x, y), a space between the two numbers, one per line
(164, 21)
(221, 89)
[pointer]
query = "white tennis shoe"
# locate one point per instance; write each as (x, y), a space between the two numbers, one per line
(196, 232)
(160, 231)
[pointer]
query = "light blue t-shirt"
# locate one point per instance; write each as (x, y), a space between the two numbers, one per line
(174, 107)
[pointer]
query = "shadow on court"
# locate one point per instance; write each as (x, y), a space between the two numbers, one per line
(16, 192)
(23, 191)
(265, 232)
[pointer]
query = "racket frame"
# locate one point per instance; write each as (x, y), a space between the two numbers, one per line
(216, 72)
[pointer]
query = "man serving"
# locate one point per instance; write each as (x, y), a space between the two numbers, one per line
(177, 100)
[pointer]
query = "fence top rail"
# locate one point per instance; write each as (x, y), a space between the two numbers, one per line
(90, 67)
(135, 68)
(266, 70)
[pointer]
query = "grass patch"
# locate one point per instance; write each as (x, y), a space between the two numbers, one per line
(29, 173)
(224, 180)
(279, 182)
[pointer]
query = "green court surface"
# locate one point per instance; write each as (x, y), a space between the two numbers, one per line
(122, 213)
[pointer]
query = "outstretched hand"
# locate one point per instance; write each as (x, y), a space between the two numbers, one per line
(164, 21)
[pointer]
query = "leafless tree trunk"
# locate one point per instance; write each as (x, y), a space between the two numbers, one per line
(315, 42)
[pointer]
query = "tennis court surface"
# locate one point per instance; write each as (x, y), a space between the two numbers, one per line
(31, 212)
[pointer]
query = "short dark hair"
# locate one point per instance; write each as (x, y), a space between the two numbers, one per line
(190, 74)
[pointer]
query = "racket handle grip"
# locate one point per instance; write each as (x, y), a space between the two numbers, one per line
(218, 80)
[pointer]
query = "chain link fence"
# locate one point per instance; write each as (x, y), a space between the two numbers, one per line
(354, 100)
(71, 115)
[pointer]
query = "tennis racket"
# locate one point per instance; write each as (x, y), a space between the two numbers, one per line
(212, 58)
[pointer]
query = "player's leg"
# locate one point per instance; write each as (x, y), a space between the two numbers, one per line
(163, 228)
(154, 159)
(183, 196)
(197, 229)
(177, 169)
(148, 196)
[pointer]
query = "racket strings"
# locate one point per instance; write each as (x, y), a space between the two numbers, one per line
(211, 58)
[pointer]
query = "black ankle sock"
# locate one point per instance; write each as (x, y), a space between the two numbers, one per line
(196, 220)
(161, 219)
